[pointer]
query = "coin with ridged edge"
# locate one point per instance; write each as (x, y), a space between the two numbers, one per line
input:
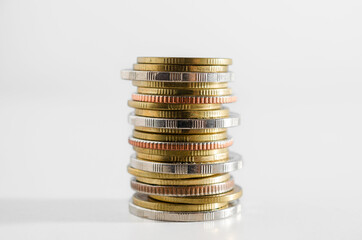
(190, 114)
(176, 106)
(181, 131)
(183, 99)
(232, 195)
(179, 138)
(180, 146)
(185, 91)
(180, 191)
(181, 152)
(233, 163)
(184, 61)
(140, 121)
(233, 208)
(143, 200)
(140, 173)
(180, 85)
(179, 68)
(214, 158)
(176, 76)
(218, 178)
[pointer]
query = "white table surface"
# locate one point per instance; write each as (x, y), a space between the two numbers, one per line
(109, 219)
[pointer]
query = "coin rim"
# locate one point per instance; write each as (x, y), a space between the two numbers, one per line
(232, 209)
(185, 61)
(195, 190)
(179, 68)
(129, 74)
(234, 194)
(217, 178)
(234, 163)
(232, 121)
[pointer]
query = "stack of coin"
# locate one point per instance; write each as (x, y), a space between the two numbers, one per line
(182, 163)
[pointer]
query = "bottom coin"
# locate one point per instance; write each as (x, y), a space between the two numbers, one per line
(231, 209)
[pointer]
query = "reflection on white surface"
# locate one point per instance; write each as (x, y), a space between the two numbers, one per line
(109, 218)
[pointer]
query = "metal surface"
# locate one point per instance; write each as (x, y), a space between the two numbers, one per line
(231, 121)
(232, 195)
(232, 209)
(176, 76)
(184, 61)
(172, 107)
(234, 163)
(185, 91)
(180, 85)
(179, 68)
(179, 137)
(183, 99)
(180, 146)
(143, 200)
(180, 191)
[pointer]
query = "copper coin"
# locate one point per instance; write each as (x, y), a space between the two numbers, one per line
(193, 190)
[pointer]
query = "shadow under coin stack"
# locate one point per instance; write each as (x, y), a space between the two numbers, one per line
(182, 163)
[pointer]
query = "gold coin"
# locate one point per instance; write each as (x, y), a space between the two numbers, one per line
(172, 106)
(232, 195)
(184, 61)
(181, 131)
(220, 157)
(186, 182)
(185, 92)
(140, 173)
(180, 153)
(179, 138)
(222, 113)
(179, 68)
(181, 85)
(143, 200)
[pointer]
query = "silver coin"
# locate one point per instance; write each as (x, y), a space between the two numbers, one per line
(232, 209)
(176, 76)
(139, 121)
(234, 163)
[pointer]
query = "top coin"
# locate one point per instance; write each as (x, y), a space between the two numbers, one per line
(179, 68)
(185, 61)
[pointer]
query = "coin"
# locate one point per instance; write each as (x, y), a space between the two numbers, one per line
(232, 209)
(179, 68)
(193, 114)
(232, 195)
(184, 61)
(180, 146)
(219, 157)
(179, 138)
(180, 153)
(185, 182)
(139, 121)
(183, 99)
(181, 85)
(166, 106)
(185, 92)
(143, 200)
(181, 131)
(180, 191)
(140, 173)
(176, 76)
(232, 164)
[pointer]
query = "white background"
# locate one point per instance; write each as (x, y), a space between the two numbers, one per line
(63, 114)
